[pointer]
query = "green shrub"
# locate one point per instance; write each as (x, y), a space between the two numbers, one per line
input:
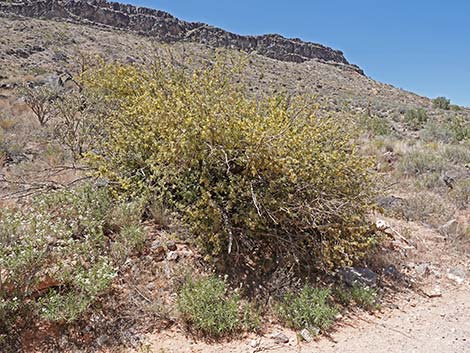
(430, 181)
(252, 178)
(129, 238)
(460, 127)
(416, 118)
(441, 103)
(59, 249)
(69, 305)
(376, 125)
(251, 318)
(457, 154)
(437, 131)
(426, 207)
(206, 305)
(454, 129)
(363, 297)
(460, 194)
(309, 309)
(422, 160)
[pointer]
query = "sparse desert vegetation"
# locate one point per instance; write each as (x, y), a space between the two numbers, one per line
(211, 191)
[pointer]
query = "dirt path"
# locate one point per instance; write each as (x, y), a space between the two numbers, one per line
(434, 325)
(419, 325)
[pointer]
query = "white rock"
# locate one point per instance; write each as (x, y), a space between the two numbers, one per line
(450, 227)
(280, 338)
(434, 292)
(306, 335)
(456, 274)
(172, 256)
(254, 343)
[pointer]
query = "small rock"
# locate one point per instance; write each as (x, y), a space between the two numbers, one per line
(280, 338)
(307, 334)
(171, 245)
(392, 272)
(422, 269)
(101, 341)
(101, 183)
(389, 202)
(60, 57)
(449, 228)
(157, 247)
(456, 274)
(434, 292)
(381, 225)
(185, 253)
(254, 343)
(392, 306)
(150, 286)
(172, 256)
(358, 275)
(338, 317)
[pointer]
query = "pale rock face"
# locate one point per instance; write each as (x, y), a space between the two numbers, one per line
(168, 28)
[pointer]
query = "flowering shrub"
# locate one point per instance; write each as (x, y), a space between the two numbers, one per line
(56, 255)
(252, 179)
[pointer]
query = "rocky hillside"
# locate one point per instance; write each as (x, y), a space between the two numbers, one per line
(168, 28)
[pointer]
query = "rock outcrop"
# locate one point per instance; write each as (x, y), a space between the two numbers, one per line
(168, 28)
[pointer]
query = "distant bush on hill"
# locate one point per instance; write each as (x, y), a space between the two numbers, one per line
(416, 118)
(252, 179)
(441, 103)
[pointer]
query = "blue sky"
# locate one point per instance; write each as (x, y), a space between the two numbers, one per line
(418, 45)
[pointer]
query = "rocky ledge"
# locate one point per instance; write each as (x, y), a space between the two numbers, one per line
(168, 28)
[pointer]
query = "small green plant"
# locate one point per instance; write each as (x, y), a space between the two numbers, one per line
(376, 125)
(364, 297)
(125, 214)
(416, 118)
(460, 127)
(421, 160)
(206, 305)
(310, 309)
(460, 194)
(8, 123)
(454, 129)
(71, 304)
(251, 318)
(426, 207)
(441, 103)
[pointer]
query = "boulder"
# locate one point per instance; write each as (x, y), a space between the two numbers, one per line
(361, 276)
